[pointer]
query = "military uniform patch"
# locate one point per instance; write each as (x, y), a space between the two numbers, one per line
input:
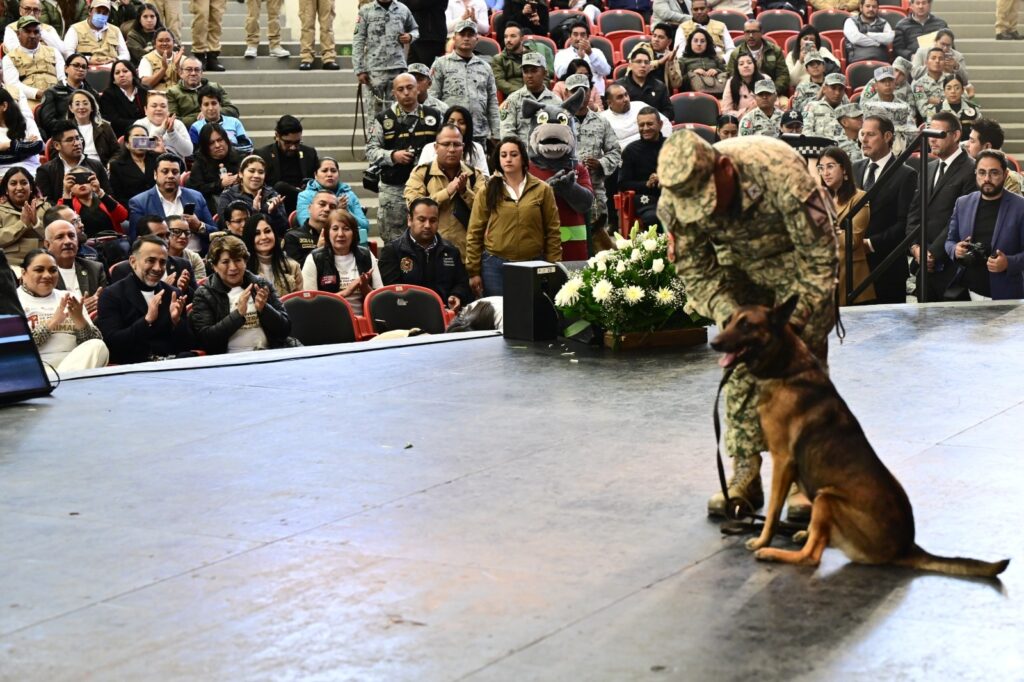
(388, 124)
(406, 264)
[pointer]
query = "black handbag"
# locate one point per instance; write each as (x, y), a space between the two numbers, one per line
(371, 180)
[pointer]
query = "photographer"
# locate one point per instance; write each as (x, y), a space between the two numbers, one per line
(986, 236)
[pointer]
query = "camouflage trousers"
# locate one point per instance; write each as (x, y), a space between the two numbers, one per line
(743, 435)
(392, 212)
(378, 95)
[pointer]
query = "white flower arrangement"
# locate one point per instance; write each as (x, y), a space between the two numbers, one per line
(629, 289)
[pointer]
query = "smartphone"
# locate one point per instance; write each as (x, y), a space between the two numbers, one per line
(189, 209)
(81, 178)
(139, 142)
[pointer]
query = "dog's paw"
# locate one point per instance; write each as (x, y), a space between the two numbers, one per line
(800, 537)
(755, 543)
(764, 554)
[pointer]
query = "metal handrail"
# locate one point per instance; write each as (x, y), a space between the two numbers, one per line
(921, 142)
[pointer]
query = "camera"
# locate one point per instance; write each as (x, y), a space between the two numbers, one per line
(139, 142)
(976, 255)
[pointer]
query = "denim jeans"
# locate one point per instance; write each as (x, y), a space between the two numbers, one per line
(490, 271)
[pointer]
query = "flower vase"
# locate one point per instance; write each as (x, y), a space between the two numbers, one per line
(662, 338)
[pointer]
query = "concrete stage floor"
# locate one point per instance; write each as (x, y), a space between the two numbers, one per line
(489, 510)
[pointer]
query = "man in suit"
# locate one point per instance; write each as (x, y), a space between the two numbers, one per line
(179, 272)
(889, 206)
(83, 278)
(142, 317)
(289, 162)
(168, 197)
(70, 153)
(950, 176)
(986, 235)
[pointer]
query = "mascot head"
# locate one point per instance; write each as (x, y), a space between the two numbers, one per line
(552, 137)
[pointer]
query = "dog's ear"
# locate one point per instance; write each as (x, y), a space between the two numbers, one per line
(780, 314)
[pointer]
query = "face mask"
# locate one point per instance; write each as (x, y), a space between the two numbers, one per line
(100, 20)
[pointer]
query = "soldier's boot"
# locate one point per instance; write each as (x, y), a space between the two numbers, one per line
(744, 486)
(798, 506)
(212, 63)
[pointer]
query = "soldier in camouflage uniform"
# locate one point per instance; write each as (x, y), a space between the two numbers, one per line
(886, 105)
(851, 120)
(397, 136)
(750, 224)
(535, 73)
(461, 77)
(597, 147)
(821, 119)
(928, 91)
(383, 32)
(903, 92)
(423, 81)
(765, 117)
(807, 91)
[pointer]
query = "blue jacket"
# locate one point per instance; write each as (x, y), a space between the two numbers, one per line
(306, 198)
(1008, 238)
(148, 203)
(232, 126)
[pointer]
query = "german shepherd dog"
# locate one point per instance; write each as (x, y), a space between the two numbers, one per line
(858, 506)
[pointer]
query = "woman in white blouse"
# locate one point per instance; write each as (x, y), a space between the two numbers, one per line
(161, 122)
(473, 155)
(341, 265)
(98, 140)
(474, 10)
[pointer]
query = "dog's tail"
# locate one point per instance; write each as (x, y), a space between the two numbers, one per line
(922, 560)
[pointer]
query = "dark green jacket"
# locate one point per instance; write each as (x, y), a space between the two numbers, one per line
(184, 102)
(772, 64)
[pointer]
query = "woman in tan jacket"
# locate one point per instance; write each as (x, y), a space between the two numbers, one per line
(514, 219)
(21, 213)
(837, 176)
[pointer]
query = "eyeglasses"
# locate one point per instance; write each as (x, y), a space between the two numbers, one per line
(449, 144)
(72, 140)
(32, 10)
(78, 65)
(179, 232)
(235, 221)
(192, 69)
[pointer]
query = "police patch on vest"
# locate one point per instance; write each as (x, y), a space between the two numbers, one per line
(430, 120)
(388, 123)
(406, 264)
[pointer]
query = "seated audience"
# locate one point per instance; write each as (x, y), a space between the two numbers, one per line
(52, 36)
(791, 123)
(531, 15)
(210, 112)
(341, 265)
(957, 104)
(927, 90)
(986, 235)
(514, 218)
(34, 67)
(95, 36)
(473, 154)
(100, 212)
(232, 218)
(719, 32)
(237, 311)
(159, 67)
(868, 36)
(665, 66)
(809, 40)
(327, 177)
(133, 168)
(953, 62)
(810, 88)
(216, 164)
(267, 259)
(986, 133)
(289, 163)
(579, 47)
(640, 86)
(422, 258)
(304, 237)
(82, 277)
(142, 34)
(168, 197)
(621, 116)
(639, 171)
(54, 106)
(184, 96)
(919, 22)
(70, 148)
(254, 191)
(471, 10)
(508, 65)
(768, 58)
(180, 272)
(61, 329)
(19, 140)
(165, 125)
(20, 214)
(703, 68)
(728, 126)
(141, 316)
(765, 118)
(738, 97)
(124, 101)
(836, 172)
(576, 66)
(178, 234)
(98, 140)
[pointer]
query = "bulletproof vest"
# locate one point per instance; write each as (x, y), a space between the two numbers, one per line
(87, 43)
(407, 131)
(37, 70)
(170, 77)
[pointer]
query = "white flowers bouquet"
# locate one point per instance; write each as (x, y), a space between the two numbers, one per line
(630, 289)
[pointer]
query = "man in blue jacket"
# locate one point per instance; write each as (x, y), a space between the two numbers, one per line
(168, 197)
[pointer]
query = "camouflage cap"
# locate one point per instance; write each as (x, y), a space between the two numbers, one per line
(27, 20)
(764, 86)
(848, 111)
(812, 56)
(535, 59)
(465, 25)
(903, 65)
(418, 69)
(577, 80)
(686, 168)
(835, 79)
(884, 72)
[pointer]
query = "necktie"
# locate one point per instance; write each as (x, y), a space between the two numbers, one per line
(942, 171)
(872, 176)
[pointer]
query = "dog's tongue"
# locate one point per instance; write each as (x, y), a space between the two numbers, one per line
(727, 360)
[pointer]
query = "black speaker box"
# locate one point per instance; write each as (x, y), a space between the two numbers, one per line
(529, 312)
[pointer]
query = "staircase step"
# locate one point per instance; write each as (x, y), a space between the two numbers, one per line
(1003, 87)
(988, 44)
(313, 102)
(268, 78)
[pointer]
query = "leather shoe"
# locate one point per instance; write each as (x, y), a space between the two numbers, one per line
(306, 66)
(1009, 35)
(331, 66)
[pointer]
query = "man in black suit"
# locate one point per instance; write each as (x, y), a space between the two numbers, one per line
(70, 153)
(82, 277)
(950, 176)
(289, 162)
(178, 273)
(141, 316)
(889, 206)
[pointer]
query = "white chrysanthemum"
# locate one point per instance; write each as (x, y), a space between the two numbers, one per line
(621, 242)
(602, 290)
(601, 267)
(620, 267)
(636, 255)
(634, 294)
(592, 261)
(569, 294)
(658, 265)
(603, 256)
(650, 244)
(664, 296)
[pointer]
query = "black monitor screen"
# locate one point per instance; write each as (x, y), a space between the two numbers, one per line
(21, 371)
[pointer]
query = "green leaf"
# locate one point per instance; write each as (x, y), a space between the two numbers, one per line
(576, 327)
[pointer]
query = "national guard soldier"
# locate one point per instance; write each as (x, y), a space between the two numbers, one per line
(928, 91)
(597, 147)
(749, 224)
(461, 77)
(791, 123)
(808, 90)
(535, 72)
(903, 91)
(764, 118)
(423, 81)
(384, 29)
(820, 115)
(397, 136)
(886, 104)
(851, 120)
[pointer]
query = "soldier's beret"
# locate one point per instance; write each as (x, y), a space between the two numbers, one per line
(686, 167)
(764, 86)
(534, 59)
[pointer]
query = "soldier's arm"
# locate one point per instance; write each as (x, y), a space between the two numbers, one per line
(611, 153)
(810, 229)
(498, 69)
(359, 45)
(375, 152)
(509, 115)
(410, 26)
(492, 105)
(436, 78)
